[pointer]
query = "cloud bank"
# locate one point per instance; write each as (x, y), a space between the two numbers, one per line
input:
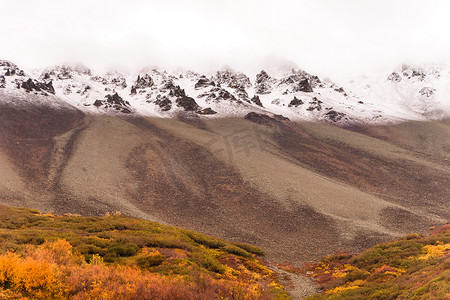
(339, 39)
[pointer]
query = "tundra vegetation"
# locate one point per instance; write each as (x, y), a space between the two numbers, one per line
(413, 267)
(44, 256)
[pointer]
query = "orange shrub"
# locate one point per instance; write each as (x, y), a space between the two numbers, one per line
(53, 271)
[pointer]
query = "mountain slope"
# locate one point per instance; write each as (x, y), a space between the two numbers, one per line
(312, 184)
(301, 190)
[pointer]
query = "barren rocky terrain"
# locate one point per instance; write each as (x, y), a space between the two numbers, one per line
(299, 190)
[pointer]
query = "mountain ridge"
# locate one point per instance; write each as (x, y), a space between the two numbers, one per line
(407, 93)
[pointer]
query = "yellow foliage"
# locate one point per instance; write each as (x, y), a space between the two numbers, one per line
(322, 266)
(349, 286)
(27, 275)
(52, 271)
(343, 270)
(341, 289)
(96, 260)
(435, 251)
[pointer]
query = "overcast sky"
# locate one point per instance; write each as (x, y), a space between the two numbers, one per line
(335, 38)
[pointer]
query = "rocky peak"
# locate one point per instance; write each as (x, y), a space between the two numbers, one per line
(295, 102)
(413, 73)
(163, 102)
(112, 78)
(10, 69)
(5, 63)
(264, 83)
(394, 77)
(189, 74)
(34, 85)
(114, 101)
(232, 79)
(64, 72)
(203, 82)
(187, 103)
(313, 80)
(296, 82)
(262, 77)
(255, 99)
(177, 91)
(143, 82)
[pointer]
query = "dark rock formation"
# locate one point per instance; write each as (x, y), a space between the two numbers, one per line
(304, 86)
(10, 72)
(28, 85)
(242, 95)
(394, 77)
(168, 85)
(232, 79)
(163, 102)
(111, 78)
(2, 81)
(225, 95)
(175, 91)
(427, 91)
(119, 82)
(263, 119)
(334, 116)
(315, 104)
(187, 103)
(418, 73)
(98, 103)
(102, 80)
(296, 83)
(114, 101)
(255, 99)
(262, 77)
(263, 83)
(203, 82)
(410, 73)
(206, 111)
(143, 82)
(281, 118)
(295, 102)
(84, 89)
(218, 94)
(314, 81)
(182, 100)
(31, 85)
(340, 90)
(64, 72)
(11, 69)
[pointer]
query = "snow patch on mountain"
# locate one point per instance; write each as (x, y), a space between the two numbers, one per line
(407, 93)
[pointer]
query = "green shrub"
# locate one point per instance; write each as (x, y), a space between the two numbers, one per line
(205, 240)
(250, 248)
(124, 250)
(356, 275)
(167, 242)
(207, 262)
(150, 261)
(237, 251)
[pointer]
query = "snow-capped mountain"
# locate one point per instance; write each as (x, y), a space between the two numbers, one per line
(408, 93)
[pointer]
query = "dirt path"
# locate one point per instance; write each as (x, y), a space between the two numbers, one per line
(298, 285)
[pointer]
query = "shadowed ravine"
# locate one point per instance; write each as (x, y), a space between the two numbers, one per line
(300, 191)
